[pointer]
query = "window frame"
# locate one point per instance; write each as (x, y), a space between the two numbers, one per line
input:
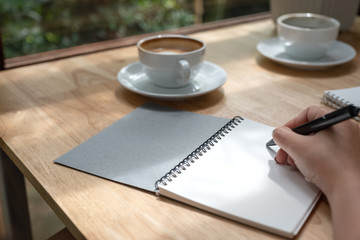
(9, 63)
(2, 57)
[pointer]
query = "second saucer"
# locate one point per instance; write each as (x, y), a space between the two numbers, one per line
(273, 49)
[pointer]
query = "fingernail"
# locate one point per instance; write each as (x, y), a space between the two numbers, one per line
(273, 133)
(278, 161)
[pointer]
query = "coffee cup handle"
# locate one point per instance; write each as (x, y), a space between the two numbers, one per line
(184, 70)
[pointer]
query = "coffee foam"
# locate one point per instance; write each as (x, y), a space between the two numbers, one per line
(309, 22)
(171, 45)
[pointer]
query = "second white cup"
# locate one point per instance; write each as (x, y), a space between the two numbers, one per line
(307, 36)
(171, 61)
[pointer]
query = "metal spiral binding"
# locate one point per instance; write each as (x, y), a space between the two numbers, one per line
(334, 101)
(195, 155)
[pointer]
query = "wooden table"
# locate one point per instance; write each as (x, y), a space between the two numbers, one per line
(48, 109)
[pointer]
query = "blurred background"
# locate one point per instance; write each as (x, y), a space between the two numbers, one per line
(34, 26)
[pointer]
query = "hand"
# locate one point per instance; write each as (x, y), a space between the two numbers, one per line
(328, 158)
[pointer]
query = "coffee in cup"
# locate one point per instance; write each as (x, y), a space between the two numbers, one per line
(307, 36)
(171, 61)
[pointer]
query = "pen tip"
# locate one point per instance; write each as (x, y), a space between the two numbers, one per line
(270, 143)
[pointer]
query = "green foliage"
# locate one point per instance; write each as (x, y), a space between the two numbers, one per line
(32, 26)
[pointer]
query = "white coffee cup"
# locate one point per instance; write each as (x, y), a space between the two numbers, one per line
(171, 60)
(344, 11)
(307, 36)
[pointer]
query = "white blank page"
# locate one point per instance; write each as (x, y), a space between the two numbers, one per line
(238, 179)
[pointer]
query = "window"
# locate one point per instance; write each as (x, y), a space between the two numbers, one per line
(35, 26)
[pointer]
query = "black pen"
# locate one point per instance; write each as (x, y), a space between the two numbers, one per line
(324, 121)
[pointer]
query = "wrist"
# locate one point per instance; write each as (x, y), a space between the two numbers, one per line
(345, 210)
(344, 187)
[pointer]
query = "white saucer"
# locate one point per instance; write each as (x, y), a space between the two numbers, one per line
(209, 78)
(340, 53)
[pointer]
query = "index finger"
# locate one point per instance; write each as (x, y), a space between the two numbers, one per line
(309, 114)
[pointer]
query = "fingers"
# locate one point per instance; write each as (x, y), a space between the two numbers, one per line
(290, 143)
(283, 158)
(282, 136)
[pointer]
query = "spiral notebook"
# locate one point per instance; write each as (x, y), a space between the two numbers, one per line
(219, 165)
(338, 98)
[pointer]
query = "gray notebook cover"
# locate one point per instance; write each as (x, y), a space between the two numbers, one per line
(142, 146)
